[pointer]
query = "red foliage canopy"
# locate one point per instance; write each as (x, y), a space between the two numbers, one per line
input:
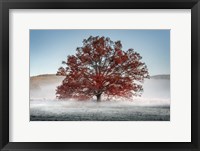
(99, 67)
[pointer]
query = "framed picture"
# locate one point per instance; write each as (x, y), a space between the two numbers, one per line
(99, 75)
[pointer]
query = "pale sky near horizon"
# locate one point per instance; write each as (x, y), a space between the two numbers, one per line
(48, 48)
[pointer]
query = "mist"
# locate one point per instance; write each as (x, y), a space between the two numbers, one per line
(154, 104)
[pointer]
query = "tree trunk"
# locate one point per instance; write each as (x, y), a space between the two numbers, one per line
(98, 98)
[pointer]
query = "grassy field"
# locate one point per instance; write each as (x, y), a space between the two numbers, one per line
(92, 111)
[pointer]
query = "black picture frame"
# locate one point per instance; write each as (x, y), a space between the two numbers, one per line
(5, 5)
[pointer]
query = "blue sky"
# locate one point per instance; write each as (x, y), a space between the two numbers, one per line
(48, 48)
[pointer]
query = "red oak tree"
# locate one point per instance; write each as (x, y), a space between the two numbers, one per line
(101, 67)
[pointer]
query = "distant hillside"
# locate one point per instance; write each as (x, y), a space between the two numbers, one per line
(52, 78)
(37, 81)
(163, 76)
(43, 75)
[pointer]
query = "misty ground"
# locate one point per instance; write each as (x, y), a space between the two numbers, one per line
(154, 105)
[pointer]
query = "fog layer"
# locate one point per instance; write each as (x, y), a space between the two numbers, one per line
(154, 104)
